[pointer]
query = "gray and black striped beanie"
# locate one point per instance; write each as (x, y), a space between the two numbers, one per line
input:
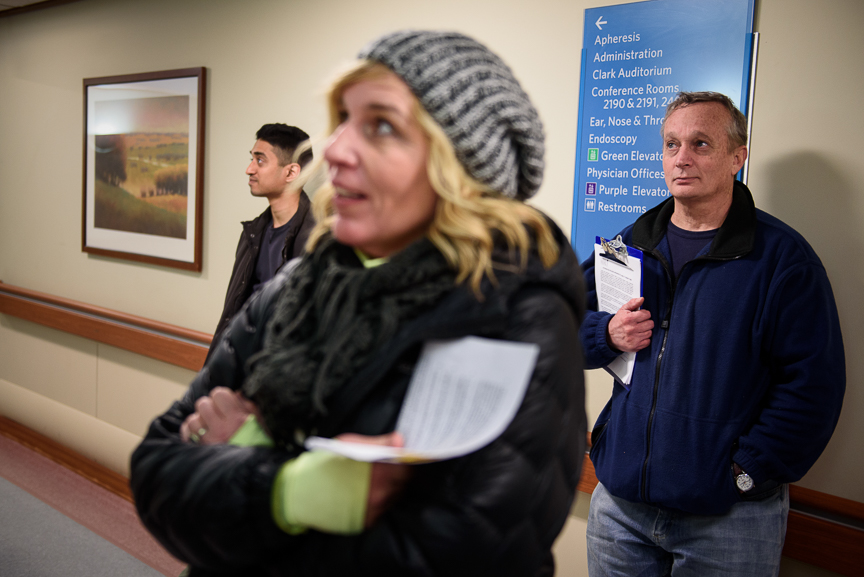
(474, 96)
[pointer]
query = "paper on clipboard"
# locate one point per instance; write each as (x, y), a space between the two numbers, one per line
(461, 397)
(618, 278)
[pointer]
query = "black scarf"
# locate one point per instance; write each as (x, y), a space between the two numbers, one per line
(329, 319)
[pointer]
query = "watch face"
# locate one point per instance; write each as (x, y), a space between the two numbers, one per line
(744, 482)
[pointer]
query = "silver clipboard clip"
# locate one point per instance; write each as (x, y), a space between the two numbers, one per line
(615, 249)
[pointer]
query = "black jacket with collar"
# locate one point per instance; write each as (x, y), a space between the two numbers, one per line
(240, 285)
(496, 511)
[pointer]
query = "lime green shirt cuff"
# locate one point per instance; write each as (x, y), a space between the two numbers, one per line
(323, 491)
(251, 434)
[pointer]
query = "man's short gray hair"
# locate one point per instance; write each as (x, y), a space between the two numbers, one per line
(737, 126)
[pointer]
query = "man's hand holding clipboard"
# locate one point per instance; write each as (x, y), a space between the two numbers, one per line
(619, 292)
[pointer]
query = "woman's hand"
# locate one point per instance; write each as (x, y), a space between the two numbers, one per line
(217, 417)
(388, 479)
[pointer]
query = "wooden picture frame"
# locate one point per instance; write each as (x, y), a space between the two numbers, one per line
(143, 185)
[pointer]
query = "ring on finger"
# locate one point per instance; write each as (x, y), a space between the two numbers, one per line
(196, 436)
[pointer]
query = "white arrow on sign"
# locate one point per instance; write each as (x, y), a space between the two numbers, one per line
(599, 22)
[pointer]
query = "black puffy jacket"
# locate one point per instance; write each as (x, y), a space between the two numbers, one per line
(495, 512)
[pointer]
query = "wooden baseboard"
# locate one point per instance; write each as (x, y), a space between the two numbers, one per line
(87, 468)
(35, 6)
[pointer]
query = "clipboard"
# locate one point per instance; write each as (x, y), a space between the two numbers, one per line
(618, 278)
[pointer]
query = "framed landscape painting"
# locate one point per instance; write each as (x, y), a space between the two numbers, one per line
(144, 167)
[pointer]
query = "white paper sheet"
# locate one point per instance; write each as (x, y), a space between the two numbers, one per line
(462, 396)
(616, 284)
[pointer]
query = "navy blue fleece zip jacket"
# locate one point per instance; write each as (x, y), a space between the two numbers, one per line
(746, 364)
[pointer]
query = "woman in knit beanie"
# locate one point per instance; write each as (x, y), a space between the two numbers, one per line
(422, 236)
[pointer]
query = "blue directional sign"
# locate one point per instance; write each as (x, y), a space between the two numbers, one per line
(635, 59)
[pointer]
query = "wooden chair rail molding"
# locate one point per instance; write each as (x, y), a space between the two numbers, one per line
(162, 341)
(823, 530)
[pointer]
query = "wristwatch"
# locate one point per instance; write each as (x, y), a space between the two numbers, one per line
(742, 479)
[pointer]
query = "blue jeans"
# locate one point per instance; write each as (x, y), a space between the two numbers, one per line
(639, 540)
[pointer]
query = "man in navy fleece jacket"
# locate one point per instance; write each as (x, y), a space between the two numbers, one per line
(739, 376)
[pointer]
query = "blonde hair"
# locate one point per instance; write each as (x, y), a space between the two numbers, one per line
(467, 213)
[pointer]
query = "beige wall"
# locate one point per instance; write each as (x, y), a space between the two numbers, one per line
(268, 61)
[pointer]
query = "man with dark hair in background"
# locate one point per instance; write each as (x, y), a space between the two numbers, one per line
(279, 233)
